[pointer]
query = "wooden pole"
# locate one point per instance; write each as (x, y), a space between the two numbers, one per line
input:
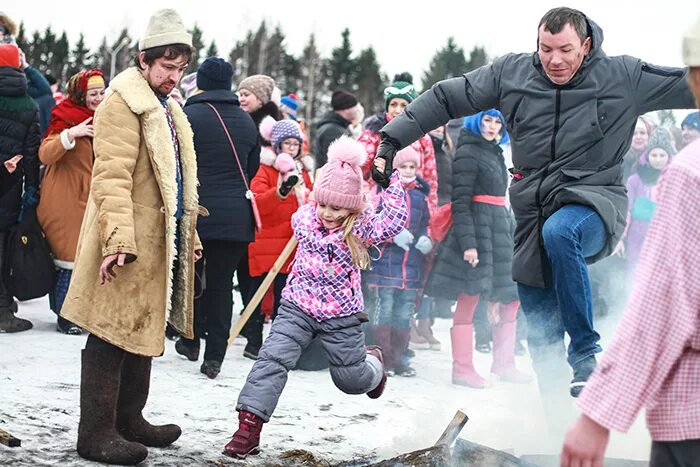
(9, 440)
(453, 429)
(262, 290)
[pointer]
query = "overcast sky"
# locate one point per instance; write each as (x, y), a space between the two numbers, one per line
(404, 37)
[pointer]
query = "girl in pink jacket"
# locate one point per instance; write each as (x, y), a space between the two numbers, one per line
(323, 295)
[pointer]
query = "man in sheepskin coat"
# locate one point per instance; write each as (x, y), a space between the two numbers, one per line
(134, 267)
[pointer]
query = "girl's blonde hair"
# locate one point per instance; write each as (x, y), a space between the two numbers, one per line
(358, 251)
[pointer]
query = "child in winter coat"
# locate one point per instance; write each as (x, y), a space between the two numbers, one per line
(323, 296)
(280, 186)
(398, 273)
(642, 194)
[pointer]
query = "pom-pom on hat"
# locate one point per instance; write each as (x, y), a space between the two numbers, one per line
(266, 126)
(165, 28)
(283, 130)
(340, 181)
(214, 73)
(407, 154)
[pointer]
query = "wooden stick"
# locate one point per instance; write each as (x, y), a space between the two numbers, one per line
(453, 429)
(262, 290)
(9, 440)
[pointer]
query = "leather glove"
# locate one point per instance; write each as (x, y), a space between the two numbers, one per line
(424, 244)
(404, 239)
(287, 185)
(386, 151)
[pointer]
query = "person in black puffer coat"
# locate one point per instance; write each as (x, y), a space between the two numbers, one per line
(230, 226)
(19, 134)
(475, 258)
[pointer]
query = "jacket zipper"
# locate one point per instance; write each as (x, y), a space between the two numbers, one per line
(552, 155)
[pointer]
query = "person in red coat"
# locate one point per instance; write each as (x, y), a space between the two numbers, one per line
(280, 186)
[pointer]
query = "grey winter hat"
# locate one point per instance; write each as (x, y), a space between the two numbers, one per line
(165, 28)
(691, 45)
(662, 138)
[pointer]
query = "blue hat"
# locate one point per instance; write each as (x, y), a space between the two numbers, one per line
(692, 120)
(473, 124)
(214, 73)
(285, 129)
(291, 104)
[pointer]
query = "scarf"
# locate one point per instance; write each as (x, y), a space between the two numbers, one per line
(72, 111)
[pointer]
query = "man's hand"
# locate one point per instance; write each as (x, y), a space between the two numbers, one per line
(383, 163)
(23, 60)
(197, 255)
(584, 444)
(11, 164)
(107, 268)
(471, 256)
(81, 129)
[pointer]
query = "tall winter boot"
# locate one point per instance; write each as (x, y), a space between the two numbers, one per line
(463, 372)
(382, 337)
(98, 439)
(246, 440)
(136, 374)
(426, 332)
(503, 364)
(399, 340)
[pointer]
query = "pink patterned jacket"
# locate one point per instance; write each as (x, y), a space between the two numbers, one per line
(324, 282)
(654, 358)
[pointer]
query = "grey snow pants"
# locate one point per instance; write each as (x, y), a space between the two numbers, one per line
(292, 331)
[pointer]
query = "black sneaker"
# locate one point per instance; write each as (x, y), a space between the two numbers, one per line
(211, 368)
(251, 352)
(188, 349)
(66, 327)
(582, 371)
(404, 370)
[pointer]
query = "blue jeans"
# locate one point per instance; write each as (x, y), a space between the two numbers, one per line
(395, 307)
(570, 235)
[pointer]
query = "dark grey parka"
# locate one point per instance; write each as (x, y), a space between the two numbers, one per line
(568, 141)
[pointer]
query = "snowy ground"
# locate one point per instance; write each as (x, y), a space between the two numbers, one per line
(39, 403)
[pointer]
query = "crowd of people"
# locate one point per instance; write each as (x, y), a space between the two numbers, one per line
(157, 201)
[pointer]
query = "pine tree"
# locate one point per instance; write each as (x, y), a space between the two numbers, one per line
(21, 38)
(314, 81)
(447, 62)
(198, 46)
(341, 64)
(59, 59)
(32, 52)
(369, 81)
(79, 57)
(477, 59)
(212, 51)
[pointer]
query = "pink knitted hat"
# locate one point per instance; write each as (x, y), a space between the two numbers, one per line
(340, 181)
(407, 154)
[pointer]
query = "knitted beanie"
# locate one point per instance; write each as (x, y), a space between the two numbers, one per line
(165, 28)
(692, 120)
(402, 87)
(691, 45)
(9, 56)
(340, 181)
(214, 73)
(662, 138)
(290, 103)
(342, 100)
(407, 154)
(283, 130)
(260, 85)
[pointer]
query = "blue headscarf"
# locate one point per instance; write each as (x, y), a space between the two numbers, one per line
(473, 124)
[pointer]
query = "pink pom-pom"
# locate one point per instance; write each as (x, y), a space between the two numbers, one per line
(346, 149)
(266, 127)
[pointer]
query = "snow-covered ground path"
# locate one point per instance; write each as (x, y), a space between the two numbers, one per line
(39, 403)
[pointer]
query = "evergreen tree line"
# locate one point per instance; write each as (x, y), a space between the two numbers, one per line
(311, 76)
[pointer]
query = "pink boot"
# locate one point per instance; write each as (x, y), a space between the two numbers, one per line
(246, 440)
(503, 364)
(463, 372)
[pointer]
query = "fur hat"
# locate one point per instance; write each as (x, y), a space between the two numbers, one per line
(9, 26)
(407, 154)
(691, 45)
(165, 28)
(340, 181)
(9, 56)
(214, 73)
(260, 85)
(661, 138)
(342, 100)
(283, 130)
(402, 87)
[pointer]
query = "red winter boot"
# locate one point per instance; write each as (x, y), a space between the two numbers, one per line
(503, 364)
(463, 372)
(246, 439)
(376, 392)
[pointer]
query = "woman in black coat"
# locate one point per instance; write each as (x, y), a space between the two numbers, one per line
(475, 259)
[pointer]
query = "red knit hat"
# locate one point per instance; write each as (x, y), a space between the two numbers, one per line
(340, 182)
(9, 56)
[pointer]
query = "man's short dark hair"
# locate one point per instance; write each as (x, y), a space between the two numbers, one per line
(169, 52)
(556, 18)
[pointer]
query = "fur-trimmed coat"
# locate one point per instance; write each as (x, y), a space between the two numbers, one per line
(131, 207)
